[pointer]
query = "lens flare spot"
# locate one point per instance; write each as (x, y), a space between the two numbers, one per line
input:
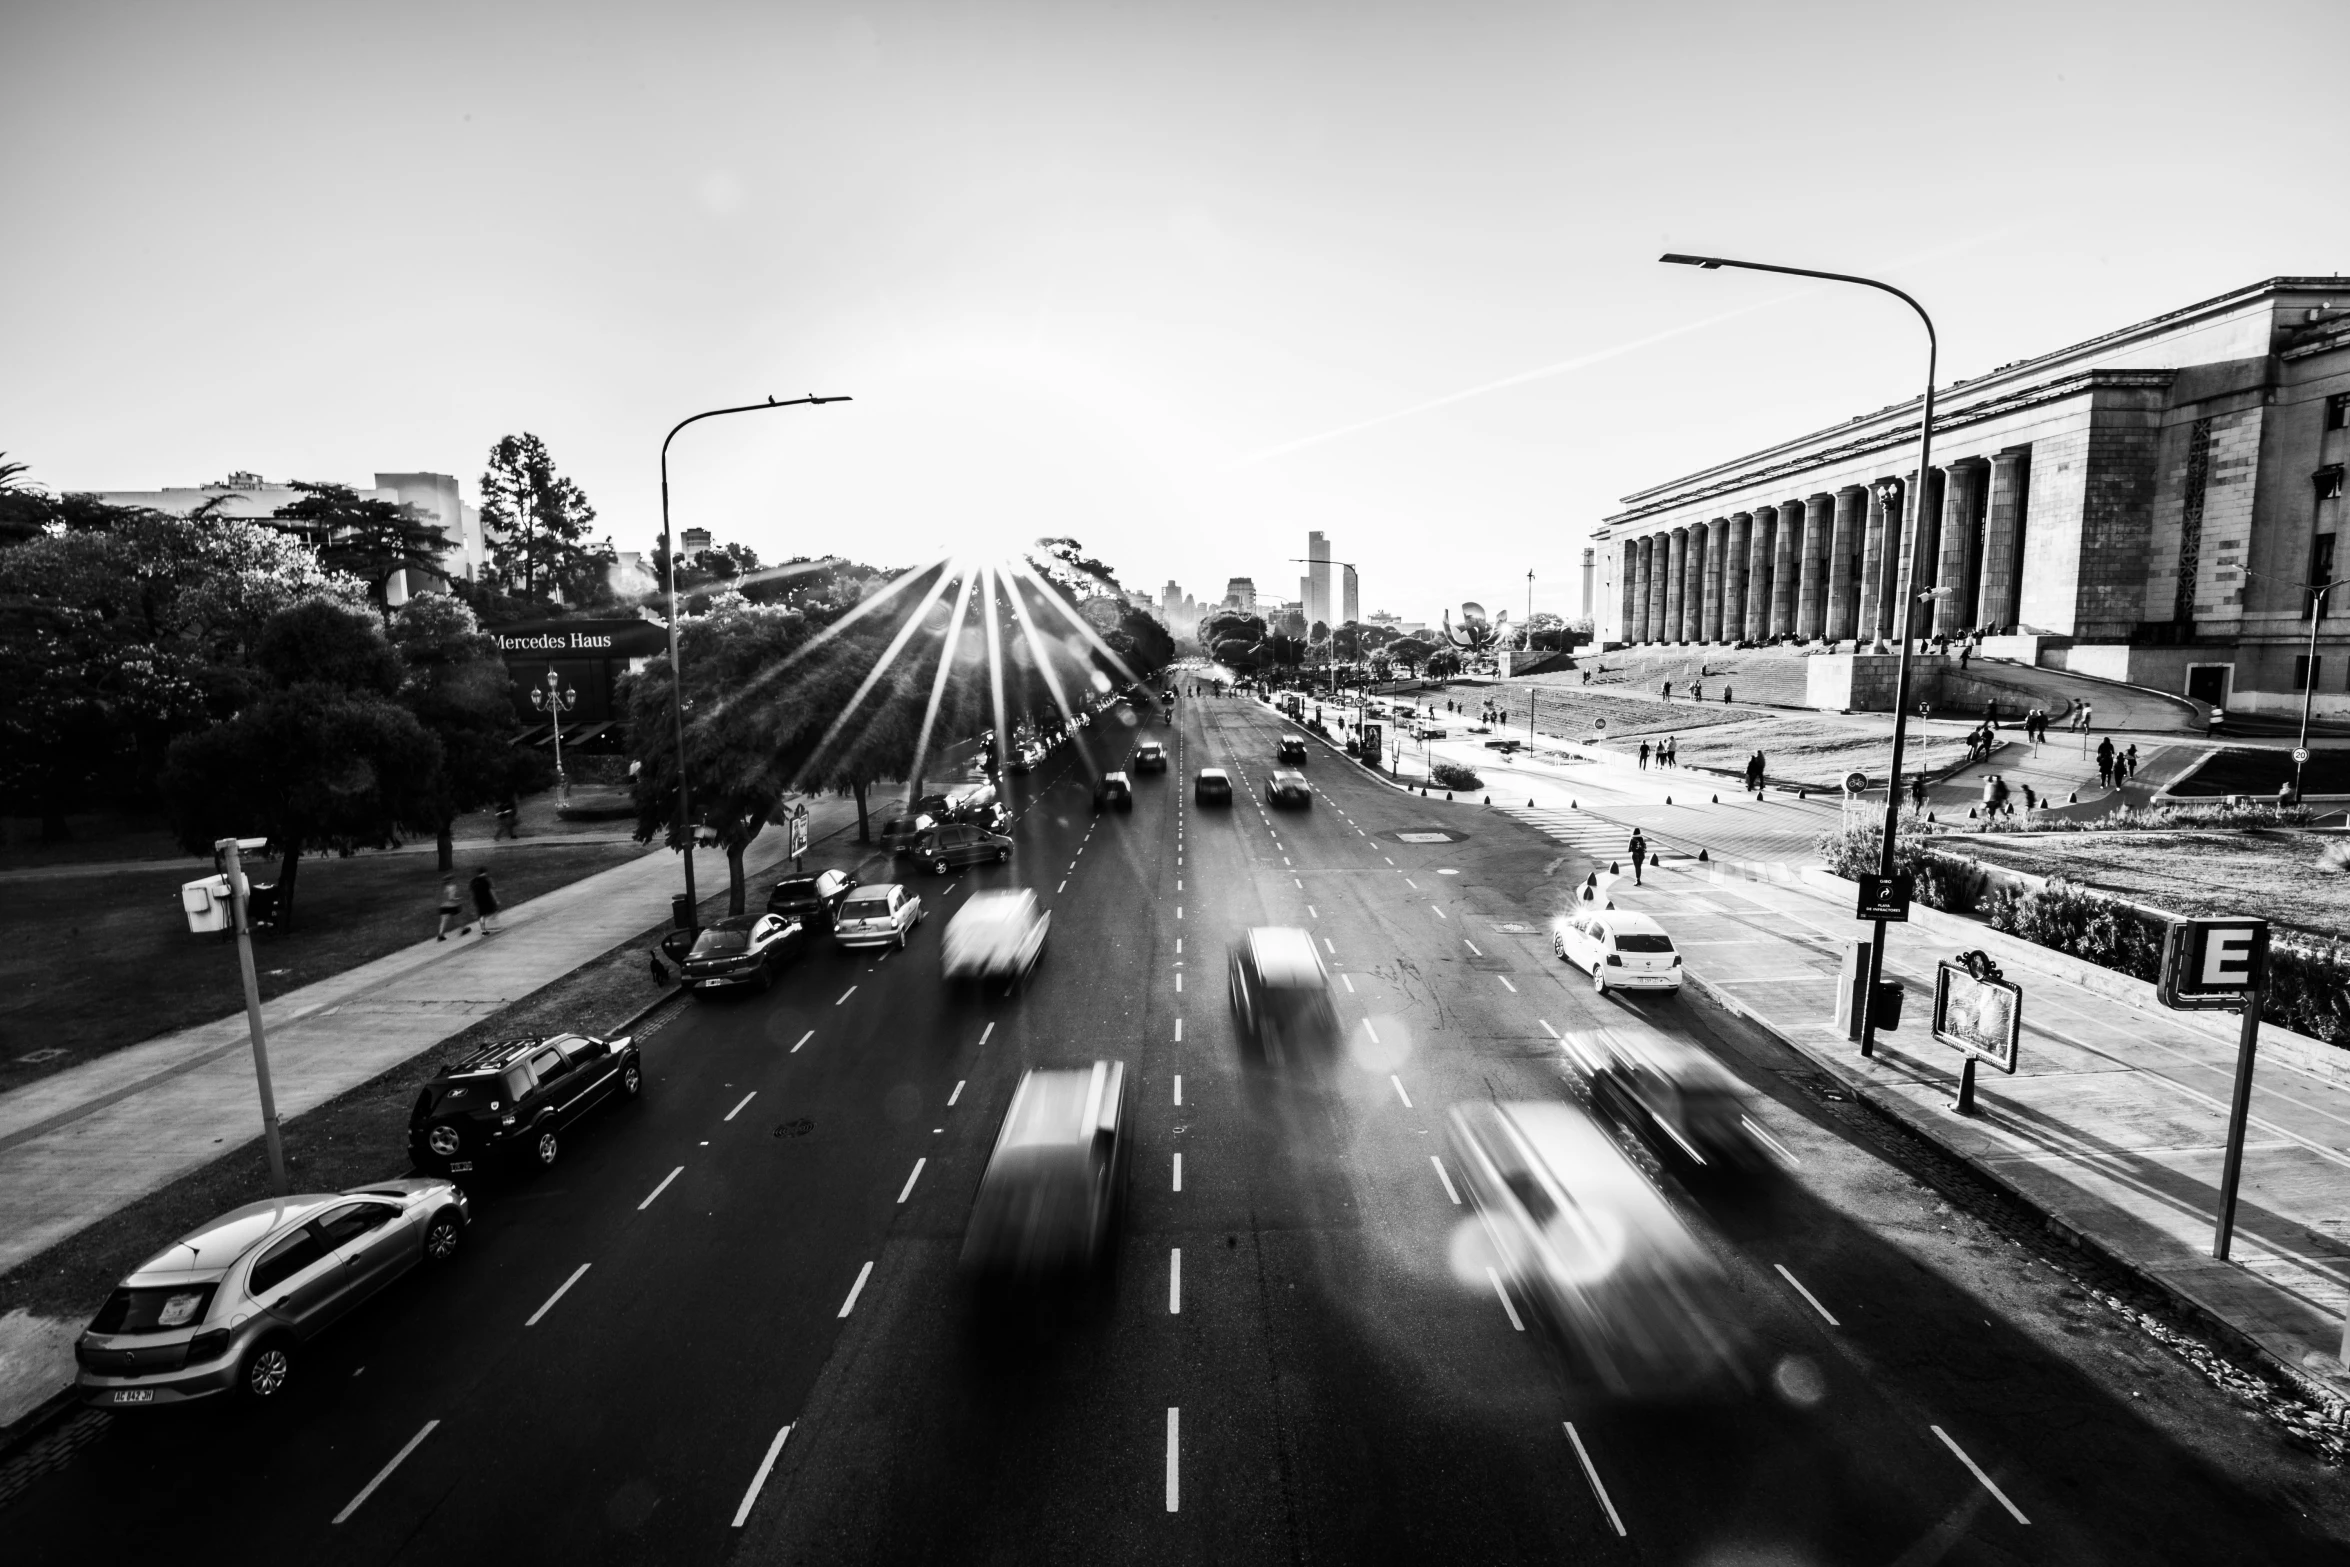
(1380, 1045)
(1797, 1379)
(1469, 1252)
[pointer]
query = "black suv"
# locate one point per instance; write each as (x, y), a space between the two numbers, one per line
(1291, 749)
(512, 1102)
(812, 900)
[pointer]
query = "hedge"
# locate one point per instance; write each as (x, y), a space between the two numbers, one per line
(1452, 775)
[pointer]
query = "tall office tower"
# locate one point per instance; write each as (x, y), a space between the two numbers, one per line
(1241, 593)
(1317, 589)
(1350, 596)
(1305, 600)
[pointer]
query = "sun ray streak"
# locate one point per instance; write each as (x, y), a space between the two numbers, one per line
(1076, 620)
(881, 666)
(895, 586)
(1043, 651)
(946, 668)
(995, 668)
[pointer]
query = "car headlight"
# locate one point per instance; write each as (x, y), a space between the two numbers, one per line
(442, 1140)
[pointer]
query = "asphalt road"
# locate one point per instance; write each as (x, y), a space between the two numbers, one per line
(1295, 1357)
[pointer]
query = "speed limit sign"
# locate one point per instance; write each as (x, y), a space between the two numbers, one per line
(2300, 754)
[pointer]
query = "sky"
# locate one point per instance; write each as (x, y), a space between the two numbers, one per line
(1182, 281)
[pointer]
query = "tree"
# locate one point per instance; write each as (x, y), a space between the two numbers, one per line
(536, 522)
(1443, 664)
(368, 539)
(322, 759)
(457, 686)
(1410, 652)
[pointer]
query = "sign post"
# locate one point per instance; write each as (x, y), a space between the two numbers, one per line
(233, 871)
(2213, 965)
(1979, 1013)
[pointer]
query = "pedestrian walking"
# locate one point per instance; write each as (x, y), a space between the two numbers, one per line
(1917, 793)
(450, 907)
(2031, 802)
(2105, 763)
(1725, 696)
(1644, 755)
(1638, 849)
(2130, 762)
(1668, 688)
(1762, 772)
(509, 819)
(1696, 691)
(485, 904)
(1999, 793)
(1990, 792)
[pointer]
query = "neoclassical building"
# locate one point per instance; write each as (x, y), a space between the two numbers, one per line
(2152, 505)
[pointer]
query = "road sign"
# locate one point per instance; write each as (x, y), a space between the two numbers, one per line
(799, 832)
(1599, 725)
(1886, 898)
(2213, 963)
(1981, 1017)
(1854, 783)
(2300, 754)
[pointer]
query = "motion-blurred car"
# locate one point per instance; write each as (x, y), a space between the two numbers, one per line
(1211, 786)
(744, 949)
(996, 934)
(881, 914)
(1113, 791)
(1686, 1104)
(1581, 1236)
(1291, 749)
(950, 844)
(513, 1102)
(1280, 991)
(1150, 757)
(1022, 760)
(1288, 791)
(1055, 1184)
(1427, 731)
(899, 832)
(1622, 950)
(1504, 746)
(811, 899)
(227, 1308)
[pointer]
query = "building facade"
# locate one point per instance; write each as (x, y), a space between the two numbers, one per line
(252, 498)
(2155, 505)
(1241, 593)
(1351, 596)
(1315, 590)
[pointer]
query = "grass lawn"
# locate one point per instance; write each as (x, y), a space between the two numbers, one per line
(1776, 675)
(92, 960)
(2193, 873)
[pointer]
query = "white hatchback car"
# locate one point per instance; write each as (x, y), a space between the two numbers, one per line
(881, 914)
(997, 934)
(1621, 949)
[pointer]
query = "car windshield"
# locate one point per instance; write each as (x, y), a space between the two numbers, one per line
(720, 943)
(798, 887)
(865, 908)
(1642, 941)
(153, 1310)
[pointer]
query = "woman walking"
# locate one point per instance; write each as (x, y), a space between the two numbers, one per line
(485, 903)
(450, 907)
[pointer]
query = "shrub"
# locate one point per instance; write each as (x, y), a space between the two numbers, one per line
(2143, 818)
(1452, 775)
(1944, 881)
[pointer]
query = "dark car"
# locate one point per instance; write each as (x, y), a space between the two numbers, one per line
(1287, 789)
(1113, 791)
(812, 900)
(899, 832)
(1280, 992)
(1212, 786)
(1150, 757)
(744, 950)
(1292, 748)
(516, 1100)
(959, 843)
(1055, 1185)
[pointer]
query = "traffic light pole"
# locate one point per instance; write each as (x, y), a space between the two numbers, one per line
(233, 865)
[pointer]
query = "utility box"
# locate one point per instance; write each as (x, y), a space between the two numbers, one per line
(206, 904)
(1852, 983)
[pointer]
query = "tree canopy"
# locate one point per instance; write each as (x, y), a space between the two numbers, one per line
(535, 521)
(366, 539)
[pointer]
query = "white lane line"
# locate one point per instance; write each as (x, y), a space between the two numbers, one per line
(1440, 914)
(1973, 1468)
(1174, 1281)
(1312, 912)
(765, 1464)
(1368, 1029)
(856, 1289)
(1063, 887)
(1546, 1028)
(746, 1099)
(1179, 981)
(1446, 1179)
(1350, 983)
(1179, 1088)
(1472, 946)
(1399, 1093)
(907, 1190)
(804, 1038)
(385, 1473)
(1592, 1475)
(1505, 983)
(1807, 1294)
(560, 1291)
(1179, 1172)
(1326, 947)
(658, 1190)
(1384, 857)
(1178, 884)
(958, 1093)
(1415, 886)
(844, 995)
(1179, 1031)
(1179, 911)
(1504, 1296)
(1173, 1491)
(985, 1032)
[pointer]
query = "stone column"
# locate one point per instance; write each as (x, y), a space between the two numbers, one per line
(1962, 496)
(1717, 533)
(1890, 493)
(1924, 550)
(1673, 574)
(1636, 590)
(1693, 586)
(2003, 537)
(1870, 587)
(1758, 573)
(1662, 550)
(1811, 592)
(1786, 568)
(1843, 544)
(1734, 576)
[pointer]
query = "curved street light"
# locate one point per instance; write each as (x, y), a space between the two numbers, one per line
(555, 699)
(685, 833)
(1904, 597)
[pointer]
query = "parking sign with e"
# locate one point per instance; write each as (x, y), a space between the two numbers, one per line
(2213, 963)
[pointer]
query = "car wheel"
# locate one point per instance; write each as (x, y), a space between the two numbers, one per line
(441, 1237)
(1598, 980)
(938, 867)
(268, 1369)
(632, 1080)
(546, 1148)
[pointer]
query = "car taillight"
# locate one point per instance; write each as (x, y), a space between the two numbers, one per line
(1614, 961)
(1676, 963)
(208, 1345)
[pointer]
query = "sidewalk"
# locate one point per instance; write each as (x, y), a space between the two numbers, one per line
(78, 1145)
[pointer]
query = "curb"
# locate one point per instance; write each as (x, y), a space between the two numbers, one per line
(1867, 1094)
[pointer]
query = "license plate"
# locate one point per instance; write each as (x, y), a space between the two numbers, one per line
(134, 1395)
(460, 1166)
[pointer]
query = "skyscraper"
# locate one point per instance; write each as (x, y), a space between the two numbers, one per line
(1316, 594)
(1241, 593)
(1350, 597)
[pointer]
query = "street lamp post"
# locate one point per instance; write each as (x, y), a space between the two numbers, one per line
(555, 700)
(1868, 1026)
(2317, 609)
(685, 830)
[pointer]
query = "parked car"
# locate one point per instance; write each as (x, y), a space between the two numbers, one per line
(996, 934)
(1022, 760)
(950, 844)
(899, 832)
(1504, 746)
(811, 900)
(1603, 1260)
(1291, 749)
(1113, 791)
(1211, 786)
(744, 949)
(1621, 949)
(1287, 789)
(1427, 731)
(515, 1101)
(1150, 757)
(1280, 992)
(228, 1307)
(880, 914)
(1054, 1188)
(1686, 1104)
